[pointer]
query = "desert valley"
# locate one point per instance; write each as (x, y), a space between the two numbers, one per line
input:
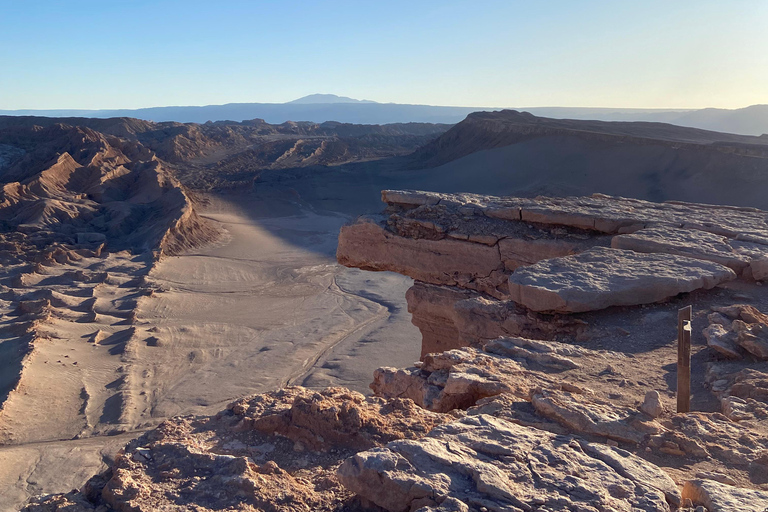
(411, 316)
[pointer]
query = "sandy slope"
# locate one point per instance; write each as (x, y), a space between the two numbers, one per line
(264, 306)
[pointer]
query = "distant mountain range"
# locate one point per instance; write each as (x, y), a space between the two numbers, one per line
(319, 108)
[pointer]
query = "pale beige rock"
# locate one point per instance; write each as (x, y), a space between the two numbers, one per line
(691, 243)
(409, 198)
(635, 468)
(713, 437)
(600, 278)
(457, 379)
(752, 337)
(743, 393)
(652, 405)
(432, 311)
(759, 269)
(718, 497)
(484, 461)
(745, 312)
(518, 252)
(368, 245)
(604, 213)
(559, 356)
(723, 340)
(452, 317)
(719, 318)
(590, 416)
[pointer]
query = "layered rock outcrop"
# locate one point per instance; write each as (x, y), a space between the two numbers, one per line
(509, 258)
(298, 449)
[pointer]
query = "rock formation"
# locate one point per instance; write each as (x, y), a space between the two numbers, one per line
(519, 256)
(298, 449)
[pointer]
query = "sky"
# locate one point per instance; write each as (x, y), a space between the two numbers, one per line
(136, 53)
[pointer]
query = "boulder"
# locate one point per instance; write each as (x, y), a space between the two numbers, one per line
(600, 278)
(722, 340)
(457, 379)
(752, 337)
(760, 269)
(652, 405)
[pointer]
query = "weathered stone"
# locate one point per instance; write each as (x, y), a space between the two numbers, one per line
(600, 278)
(368, 245)
(432, 311)
(745, 312)
(487, 462)
(332, 417)
(752, 337)
(603, 213)
(718, 497)
(549, 354)
(760, 269)
(518, 252)
(719, 318)
(743, 393)
(629, 466)
(652, 405)
(710, 436)
(691, 243)
(452, 317)
(457, 379)
(590, 416)
(723, 340)
(409, 197)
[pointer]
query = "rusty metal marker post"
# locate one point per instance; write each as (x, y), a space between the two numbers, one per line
(684, 359)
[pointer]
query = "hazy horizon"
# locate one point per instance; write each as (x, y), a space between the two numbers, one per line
(362, 101)
(597, 54)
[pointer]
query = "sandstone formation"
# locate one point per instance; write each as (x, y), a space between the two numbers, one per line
(485, 266)
(277, 451)
(482, 461)
(691, 243)
(718, 497)
(89, 188)
(508, 432)
(738, 330)
(452, 317)
(83, 216)
(600, 278)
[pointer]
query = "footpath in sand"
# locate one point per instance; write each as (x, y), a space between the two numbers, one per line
(265, 306)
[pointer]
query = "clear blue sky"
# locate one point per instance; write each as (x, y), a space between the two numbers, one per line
(619, 53)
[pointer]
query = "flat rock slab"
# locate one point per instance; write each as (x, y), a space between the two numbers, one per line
(488, 463)
(599, 212)
(601, 278)
(692, 243)
(717, 497)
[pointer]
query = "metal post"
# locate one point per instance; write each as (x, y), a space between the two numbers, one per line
(684, 359)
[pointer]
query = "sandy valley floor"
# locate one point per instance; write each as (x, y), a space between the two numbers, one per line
(265, 306)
